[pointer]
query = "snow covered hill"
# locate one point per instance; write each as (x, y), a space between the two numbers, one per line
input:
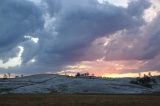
(49, 83)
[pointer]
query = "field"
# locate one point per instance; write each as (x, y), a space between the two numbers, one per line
(56, 90)
(79, 100)
(50, 83)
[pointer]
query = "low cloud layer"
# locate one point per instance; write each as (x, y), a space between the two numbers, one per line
(58, 33)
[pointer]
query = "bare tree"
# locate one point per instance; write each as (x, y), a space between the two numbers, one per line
(149, 74)
(5, 76)
(9, 75)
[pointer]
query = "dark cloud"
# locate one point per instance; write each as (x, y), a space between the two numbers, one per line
(17, 18)
(136, 44)
(53, 6)
(68, 29)
(78, 24)
(152, 48)
(136, 7)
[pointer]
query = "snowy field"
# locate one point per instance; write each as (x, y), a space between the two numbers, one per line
(48, 83)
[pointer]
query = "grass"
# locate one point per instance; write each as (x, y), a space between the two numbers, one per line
(79, 100)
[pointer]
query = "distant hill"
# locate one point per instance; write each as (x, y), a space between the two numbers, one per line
(50, 83)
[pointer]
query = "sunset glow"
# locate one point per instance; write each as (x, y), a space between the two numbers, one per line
(134, 75)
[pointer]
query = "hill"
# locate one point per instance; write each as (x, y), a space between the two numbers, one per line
(50, 83)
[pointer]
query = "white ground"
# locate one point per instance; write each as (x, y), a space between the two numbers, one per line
(62, 84)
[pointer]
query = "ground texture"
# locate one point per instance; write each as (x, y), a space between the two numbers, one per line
(79, 100)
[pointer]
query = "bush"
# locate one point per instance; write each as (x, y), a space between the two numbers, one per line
(133, 82)
(146, 81)
(5, 76)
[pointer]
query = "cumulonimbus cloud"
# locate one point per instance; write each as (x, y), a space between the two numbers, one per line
(66, 29)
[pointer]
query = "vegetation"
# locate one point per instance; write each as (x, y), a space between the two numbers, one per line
(146, 81)
(79, 100)
(82, 75)
(6, 76)
(85, 75)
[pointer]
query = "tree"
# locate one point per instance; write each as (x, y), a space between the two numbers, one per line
(9, 75)
(87, 73)
(78, 74)
(5, 76)
(149, 74)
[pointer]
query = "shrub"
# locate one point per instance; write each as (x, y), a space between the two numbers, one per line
(146, 81)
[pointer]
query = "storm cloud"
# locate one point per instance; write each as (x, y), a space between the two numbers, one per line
(17, 18)
(66, 32)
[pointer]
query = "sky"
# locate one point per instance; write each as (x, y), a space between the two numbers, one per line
(111, 38)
